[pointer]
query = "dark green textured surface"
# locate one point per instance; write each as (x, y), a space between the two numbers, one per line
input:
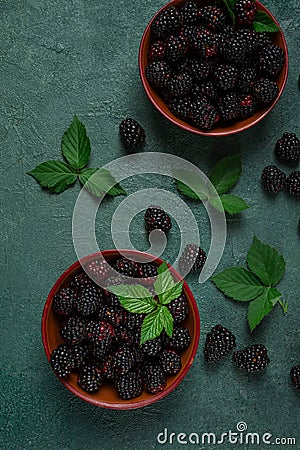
(63, 57)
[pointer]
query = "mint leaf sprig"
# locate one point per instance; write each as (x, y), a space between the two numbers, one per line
(223, 176)
(57, 176)
(255, 284)
(138, 299)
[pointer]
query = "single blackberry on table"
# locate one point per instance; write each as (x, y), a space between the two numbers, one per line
(234, 49)
(98, 269)
(179, 308)
(229, 107)
(154, 378)
(251, 359)
(129, 385)
(192, 258)
(81, 353)
(180, 339)
(206, 89)
(180, 107)
(108, 369)
(265, 91)
(213, 17)
(271, 60)
(75, 329)
(226, 76)
(111, 314)
(288, 148)
(126, 267)
(205, 42)
(273, 179)
(157, 51)
(158, 73)
(166, 22)
(189, 12)
(203, 115)
(293, 183)
(247, 75)
(295, 376)
(199, 69)
(132, 134)
(81, 281)
(157, 219)
(180, 84)
(100, 332)
(175, 48)
(245, 12)
(124, 360)
(152, 347)
(170, 362)
(89, 301)
(63, 302)
(62, 360)
(219, 342)
(90, 379)
(248, 106)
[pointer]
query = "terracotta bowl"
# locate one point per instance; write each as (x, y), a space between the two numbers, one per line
(107, 396)
(236, 127)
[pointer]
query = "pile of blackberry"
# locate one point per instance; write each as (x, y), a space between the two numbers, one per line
(209, 71)
(101, 340)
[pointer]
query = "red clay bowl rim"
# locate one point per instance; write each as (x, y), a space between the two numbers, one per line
(212, 133)
(122, 405)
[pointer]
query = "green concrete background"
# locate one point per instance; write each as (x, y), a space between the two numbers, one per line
(60, 57)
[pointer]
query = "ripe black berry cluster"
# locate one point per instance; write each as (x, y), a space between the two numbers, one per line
(209, 71)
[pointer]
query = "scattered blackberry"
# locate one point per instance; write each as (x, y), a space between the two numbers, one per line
(229, 106)
(234, 49)
(226, 76)
(265, 91)
(293, 183)
(81, 281)
(89, 301)
(288, 148)
(180, 84)
(247, 75)
(180, 339)
(75, 329)
(63, 302)
(108, 369)
(166, 22)
(205, 42)
(111, 314)
(219, 342)
(251, 359)
(200, 69)
(126, 267)
(129, 386)
(98, 269)
(189, 12)
(154, 378)
(213, 17)
(124, 360)
(180, 107)
(132, 134)
(158, 73)
(248, 106)
(152, 347)
(295, 376)
(179, 308)
(62, 361)
(192, 258)
(245, 12)
(157, 51)
(101, 332)
(203, 115)
(90, 379)
(170, 362)
(273, 179)
(175, 48)
(271, 60)
(157, 219)
(81, 354)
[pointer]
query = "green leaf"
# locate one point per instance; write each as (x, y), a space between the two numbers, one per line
(163, 283)
(162, 268)
(284, 306)
(134, 298)
(75, 144)
(100, 182)
(167, 320)
(238, 283)
(190, 184)
(232, 204)
(263, 22)
(226, 173)
(54, 175)
(171, 294)
(265, 262)
(152, 326)
(229, 5)
(262, 306)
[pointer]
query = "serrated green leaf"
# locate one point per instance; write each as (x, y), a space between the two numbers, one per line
(265, 262)
(167, 320)
(262, 306)
(229, 5)
(264, 23)
(75, 144)
(226, 173)
(190, 184)
(152, 325)
(238, 283)
(162, 268)
(134, 298)
(54, 175)
(100, 182)
(232, 204)
(163, 283)
(171, 294)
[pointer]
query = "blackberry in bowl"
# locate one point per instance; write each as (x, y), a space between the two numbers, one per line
(208, 75)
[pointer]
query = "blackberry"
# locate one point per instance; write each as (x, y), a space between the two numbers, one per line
(157, 219)
(192, 258)
(108, 369)
(206, 89)
(89, 301)
(111, 314)
(63, 302)
(152, 347)
(62, 361)
(166, 22)
(288, 148)
(250, 37)
(126, 267)
(219, 342)
(264, 39)
(129, 386)
(170, 362)
(295, 376)
(101, 332)
(81, 281)
(133, 321)
(271, 60)
(179, 308)
(124, 360)
(247, 75)
(180, 84)
(98, 269)
(200, 69)
(273, 179)
(180, 339)
(234, 49)
(154, 378)
(203, 115)
(251, 359)
(100, 350)
(205, 42)
(248, 106)
(245, 12)
(175, 48)
(225, 76)
(147, 270)
(229, 106)
(180, 107)
(189, 12)
(81, 353)
(157, 51)
(293, 183)
(132, 134)
(158, 73)
(265, 91)
(90, 379)
(188, 32)
(125, 335)
(74, 331)
(110, 298)
(213, 17)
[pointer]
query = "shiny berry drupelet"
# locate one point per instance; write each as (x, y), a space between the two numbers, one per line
(192, 258)
(219, 342)
(129, 385)
(62, 360)
(90, 379)
(245, 12)
(273, 179)
(251, 359)
(293, 183)
(295, 376)
(132, 134)
(170, 362)
(288, 148)
(157, 219)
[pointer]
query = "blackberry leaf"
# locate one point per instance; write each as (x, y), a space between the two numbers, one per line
(100, 182)
(167, 320)
(262, 306)
(232, 204)
(238, 283)
(175, 291)
(190, 184)
(163, 283)
(75, 144)
(152, 325)
(136, 299)
(264, 23)
(229, 5)
(226, 173)
(54, 175)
